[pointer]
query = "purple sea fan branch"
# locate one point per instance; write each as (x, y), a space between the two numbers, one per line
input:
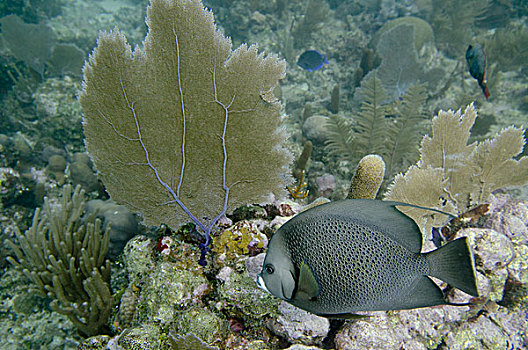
(154, 169)
(176, 194)
(207, 229)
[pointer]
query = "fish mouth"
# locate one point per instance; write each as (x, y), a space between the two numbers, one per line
(261, 284)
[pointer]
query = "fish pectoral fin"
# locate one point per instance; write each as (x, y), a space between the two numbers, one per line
(288, 285)
(308, 288)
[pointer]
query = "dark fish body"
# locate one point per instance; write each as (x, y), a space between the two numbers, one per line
(311, 60)
(476, 60)
(360, 255)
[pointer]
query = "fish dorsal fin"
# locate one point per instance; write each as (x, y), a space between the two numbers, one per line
(307, 288)
(383, 216)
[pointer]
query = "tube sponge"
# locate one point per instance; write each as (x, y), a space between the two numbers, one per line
(368, 177)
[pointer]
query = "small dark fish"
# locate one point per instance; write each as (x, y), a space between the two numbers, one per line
(361, 255)
(311, 60)
(476, 60)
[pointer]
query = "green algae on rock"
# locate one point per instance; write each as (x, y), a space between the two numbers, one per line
(203, 324)
(242, 238)
(239, 296)
(168, 291)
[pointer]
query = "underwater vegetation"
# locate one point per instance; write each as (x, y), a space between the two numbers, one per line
(354, 126)
(63, 254)
(510, 39)
(32, 11)
(315, 13)
(453, 175)
(394, 138)
(454, 22)
(398, 44)
(38, 47)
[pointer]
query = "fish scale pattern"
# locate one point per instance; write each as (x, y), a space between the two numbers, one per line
(357, 267)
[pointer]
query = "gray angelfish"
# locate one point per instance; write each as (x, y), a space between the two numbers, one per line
(361, 255)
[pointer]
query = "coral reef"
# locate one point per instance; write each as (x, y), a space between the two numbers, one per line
(299, 326)
(335, 99)
(59, 113)
(510, 39)
(64, 256)
(367, 134)
(66, 59)
(165, 299)
(314, 14)
(123, 225)
(241, 299)
(79, 23)
(27, 322)
(31, 43)
(422, 31)
(36, 45)
(302, 161)
(243, 238)
(56, 167)
(454, 22)
(401, 66)
(189, 342)
(315, 129)
(502, 281)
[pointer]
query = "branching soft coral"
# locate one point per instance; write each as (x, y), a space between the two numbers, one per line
(455, 176)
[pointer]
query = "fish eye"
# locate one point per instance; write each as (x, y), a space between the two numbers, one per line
(269, 269)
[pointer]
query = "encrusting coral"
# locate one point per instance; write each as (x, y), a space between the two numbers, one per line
(63, 254)
(185, 128)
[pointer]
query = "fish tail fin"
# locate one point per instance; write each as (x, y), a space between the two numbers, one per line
(486, 92)
(484, 88)
(454, 264)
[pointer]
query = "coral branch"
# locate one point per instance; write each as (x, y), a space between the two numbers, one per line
(63, 253)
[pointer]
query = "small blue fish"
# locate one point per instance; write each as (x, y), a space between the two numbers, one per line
(311, 60)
